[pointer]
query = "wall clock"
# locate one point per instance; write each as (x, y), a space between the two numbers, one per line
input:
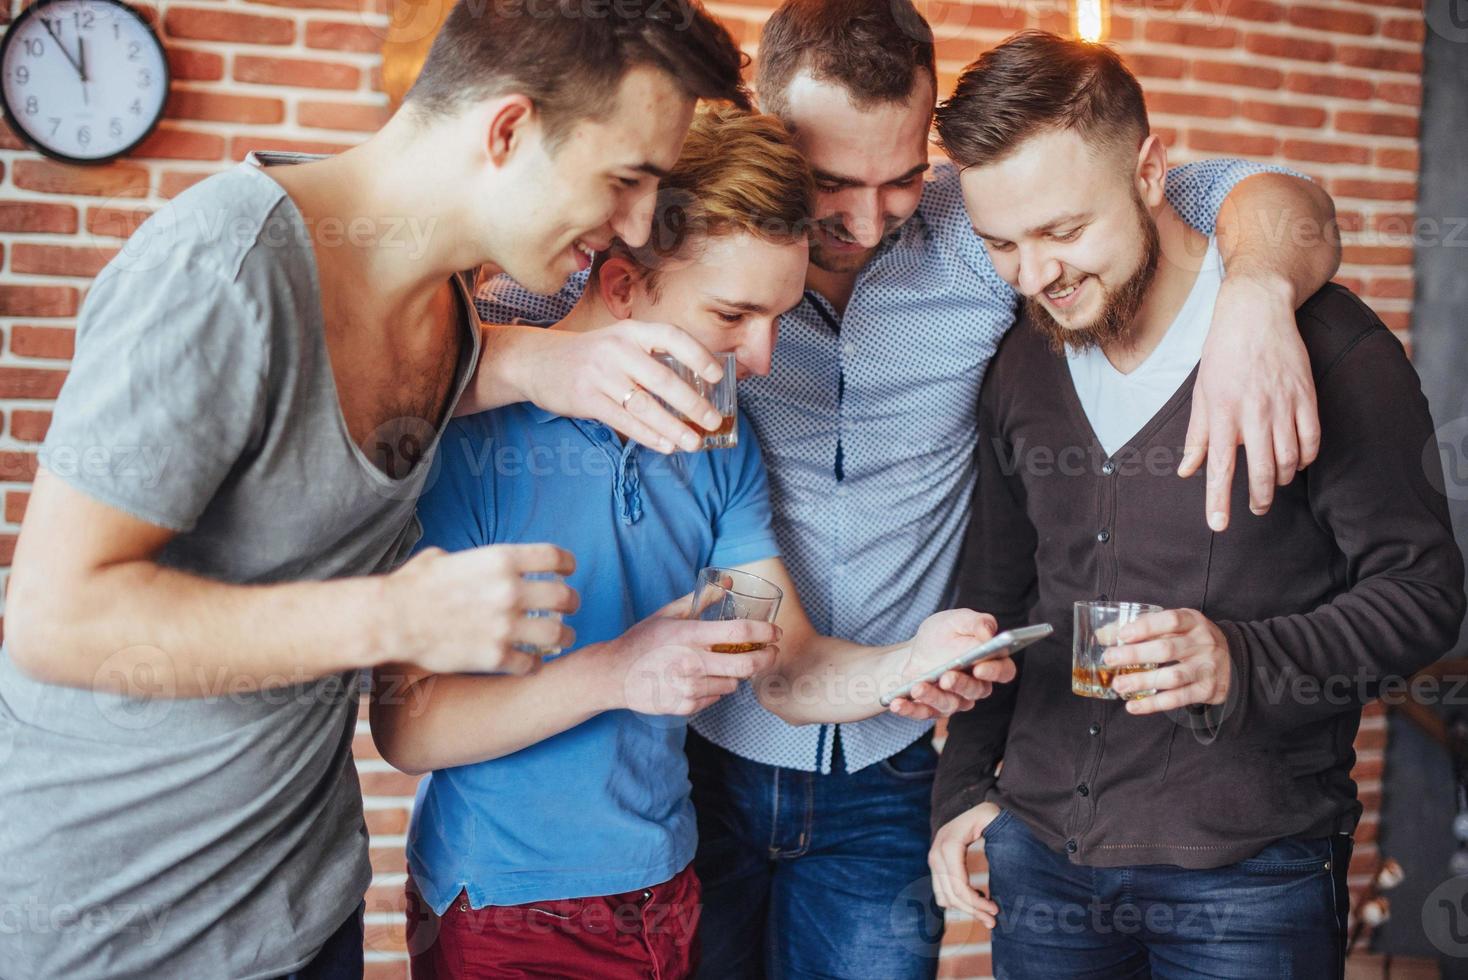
(82, 81)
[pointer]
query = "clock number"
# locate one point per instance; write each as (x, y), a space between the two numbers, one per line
(84, 135)
(134, 50)
(84, 19)
(145, 78)
(32, 106)
(114, 128)
(136, 108)
(55, 124)
(22, 75)
(34, 47)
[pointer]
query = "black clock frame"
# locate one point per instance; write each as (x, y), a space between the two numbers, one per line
(24, 134)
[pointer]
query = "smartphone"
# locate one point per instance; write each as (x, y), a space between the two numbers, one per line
(1005, 643)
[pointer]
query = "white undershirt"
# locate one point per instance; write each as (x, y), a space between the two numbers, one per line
(1119, 405)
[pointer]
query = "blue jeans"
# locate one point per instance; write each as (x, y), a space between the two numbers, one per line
(811, 875)
(1280, 914)
(340, 958)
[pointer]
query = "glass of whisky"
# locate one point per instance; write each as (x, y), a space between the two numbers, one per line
(533, 649)
(1096, 628)
(723, 395)
(726, 593)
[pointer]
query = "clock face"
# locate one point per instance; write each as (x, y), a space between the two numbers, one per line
(82, 80)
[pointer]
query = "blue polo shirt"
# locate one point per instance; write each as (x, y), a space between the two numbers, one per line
(604, 807)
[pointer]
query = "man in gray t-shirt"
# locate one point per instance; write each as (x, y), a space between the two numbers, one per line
(212, 547)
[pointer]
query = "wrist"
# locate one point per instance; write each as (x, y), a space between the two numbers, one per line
(1261, 278)
(604, 676)
(506, 374)
(375, 604)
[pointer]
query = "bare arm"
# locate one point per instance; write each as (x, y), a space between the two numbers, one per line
(662, 666)
(830, 680)
(1279, 244)
(90, 607)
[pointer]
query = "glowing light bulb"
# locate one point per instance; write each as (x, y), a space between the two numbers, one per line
(1091, 19)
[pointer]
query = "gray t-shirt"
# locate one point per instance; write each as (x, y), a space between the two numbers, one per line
(222, 836)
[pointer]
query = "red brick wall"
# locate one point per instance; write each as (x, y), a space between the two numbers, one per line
(1329, 88)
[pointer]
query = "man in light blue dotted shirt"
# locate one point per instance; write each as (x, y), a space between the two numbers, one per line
(813, 838)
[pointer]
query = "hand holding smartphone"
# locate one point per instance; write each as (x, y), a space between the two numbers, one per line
(1001, 645)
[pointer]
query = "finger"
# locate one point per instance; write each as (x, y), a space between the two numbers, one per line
(553, 596)
(936, 698)
(1259, 454)
(965, 686)
(712, 687)
(514, 662)
(656, 428)
(700, 703)
(680, 608)
(1170, 678)
(739, 666)
(542, 631)
(1222, 451)
(1167, 700)
(954, 861)
(686, 350)
(1154, 651)
(728, 632)
(1195, 443)
(1286, 450)
(908, 708)
(999, 670)
(1163, 623)
(527, 558)
(657, 380)
(1307, 427)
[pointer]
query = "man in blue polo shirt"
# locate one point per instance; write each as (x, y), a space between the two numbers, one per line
(562, 799)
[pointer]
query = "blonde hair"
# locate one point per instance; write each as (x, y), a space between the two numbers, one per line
(739, 172)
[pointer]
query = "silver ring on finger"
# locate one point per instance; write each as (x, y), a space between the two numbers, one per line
(630, 392)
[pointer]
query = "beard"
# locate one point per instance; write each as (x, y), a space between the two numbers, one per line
(1119, 306)
(830, 261)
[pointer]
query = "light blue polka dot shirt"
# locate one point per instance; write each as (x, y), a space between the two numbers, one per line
(868, 422)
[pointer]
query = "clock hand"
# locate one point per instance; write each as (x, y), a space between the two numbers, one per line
(81, 51)
(50, 29)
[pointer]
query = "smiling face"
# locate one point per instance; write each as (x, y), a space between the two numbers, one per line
(728, 295)
(1071, 226)
(555, 206)
(868, 164)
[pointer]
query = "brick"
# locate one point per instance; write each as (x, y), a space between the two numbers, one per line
(1394, 159)
(113, 222)
(175, 182)
(387, 860)
(387, 898)
(1398, 322)
(341, 36)
(379, 937)
(342, 115)
(28, 426)
(1405, 29)
(1401, 93)
(1229, 143)
(351, 6)
(1386, 288)
(34, 216)
(111, 180)
(7, 541)
(396, 969)
(1325, 152)
(1334, 20)
(385, 783)
(8, 139)
(1274, 114)
(1381, 59)
(1189, 34)
(1256, 10)
(59, 260)
(387, 821)
(1399, 226)
(1375, 123)
(1176, 103)
(218, 107)
(1375, 255)
(964, 966)
(1375, 190)
(948, 18)
(295, 72)
(166, 143)
(15, 504)
(191, 65)
(1231, 73)
(30, 382)
(53, 342)
(241, 146)
(1156, 66)
(44, 301)
(1298, 48)
(1335, 86)
(199, 24)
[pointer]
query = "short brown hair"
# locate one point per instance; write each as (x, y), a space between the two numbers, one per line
(568, 60)
(873, 49)
(739, 172)
(1036, 81)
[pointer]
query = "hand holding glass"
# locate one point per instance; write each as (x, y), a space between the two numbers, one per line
(725, 593)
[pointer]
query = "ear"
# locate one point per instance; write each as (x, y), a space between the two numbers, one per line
(1151, 175)
(618, 279)
(512, 122)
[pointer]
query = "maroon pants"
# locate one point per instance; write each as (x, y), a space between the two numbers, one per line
(642, 934)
